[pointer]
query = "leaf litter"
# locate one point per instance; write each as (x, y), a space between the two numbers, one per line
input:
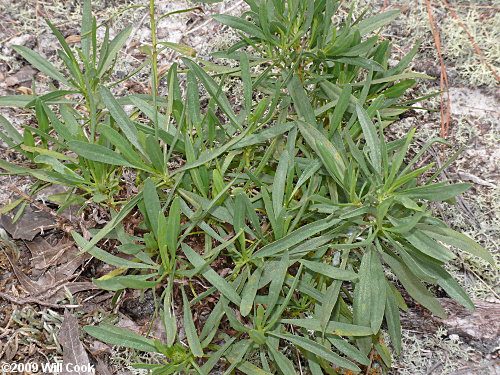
(74, 354)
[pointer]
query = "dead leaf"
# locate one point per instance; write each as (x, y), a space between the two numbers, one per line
(29, 285)
(157, 330)
(126, 322)
(73, 351)
(64, 255)
(26, 74)
(98, 348)
(25, 90)
(103, 368)
(29, 225)
(52, 279)
(73, 288)
(44, 254)
(10, 350)
(73, 39)
(163, 69)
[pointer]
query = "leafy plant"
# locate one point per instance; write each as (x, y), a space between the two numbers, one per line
(299, 196)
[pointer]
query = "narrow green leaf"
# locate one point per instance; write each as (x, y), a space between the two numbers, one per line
(278, 188)
(332, 328)
(428, 246)
(123, 146)
(249, 292)
(181, 48)
(189, 327)
(247, 82)
(155, 153)
(360, 61)
(173, 226)
(413, 286)
(86, 27)
(193, 98)
(112, 51)
(11, 131)
(121, 337)
(265, 135)
(212, 277)
(340, 108)
(169, 317)
(295, 237)
(393, 320)
(306, 174)
(240, 24)
(282, 362)
(51, 153)
(278, 313)
(312, 136)
(123, 282)
(371, 137)
(41, 64)
(376, 22)
(213, 89)
(231, 316)
(348, 349)
(368, 297)
(112, 223)
(121, 118)
(215, 357)
(301, 101)
(212, 323)
(208, 155)
(436, 192)
(319, 350)
(329, 160)
(107, 257)
(458, 240)
(330, 271)
(98, 153)
(277, 282)
(152, 203)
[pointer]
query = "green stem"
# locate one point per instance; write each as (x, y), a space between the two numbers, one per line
(154, 65)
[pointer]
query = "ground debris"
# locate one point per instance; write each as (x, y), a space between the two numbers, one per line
(29, 225)
(74, 353)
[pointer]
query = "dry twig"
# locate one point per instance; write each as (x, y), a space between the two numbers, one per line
(445, 110)
(472, 40)
(26, 301)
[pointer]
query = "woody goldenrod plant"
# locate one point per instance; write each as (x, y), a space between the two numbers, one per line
(299, 193)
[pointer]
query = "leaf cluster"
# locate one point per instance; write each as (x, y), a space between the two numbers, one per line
(299, 193)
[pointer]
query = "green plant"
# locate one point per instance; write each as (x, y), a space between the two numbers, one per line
(298, 195)
(304, 46)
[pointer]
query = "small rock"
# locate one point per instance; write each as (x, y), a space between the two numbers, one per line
(21, 40)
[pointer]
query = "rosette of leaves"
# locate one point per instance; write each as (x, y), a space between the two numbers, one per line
(307, 203)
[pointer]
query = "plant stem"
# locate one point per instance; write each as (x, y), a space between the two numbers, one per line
(154, 65)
